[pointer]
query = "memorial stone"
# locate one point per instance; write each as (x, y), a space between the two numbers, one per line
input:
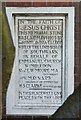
(39, 77)
(39, 61)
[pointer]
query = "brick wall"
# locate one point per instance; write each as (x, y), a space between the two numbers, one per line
(77, 65)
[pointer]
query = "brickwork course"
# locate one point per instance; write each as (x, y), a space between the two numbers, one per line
(77, 64)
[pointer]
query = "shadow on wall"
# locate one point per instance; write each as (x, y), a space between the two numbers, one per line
(8, 54)
(70, 108)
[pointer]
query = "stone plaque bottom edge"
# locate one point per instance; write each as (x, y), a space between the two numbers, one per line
(11, 109)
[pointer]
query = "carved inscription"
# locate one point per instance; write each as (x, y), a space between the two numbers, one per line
(40, 54)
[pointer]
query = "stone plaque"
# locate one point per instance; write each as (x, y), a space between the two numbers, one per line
(40, 61)
(41, 77)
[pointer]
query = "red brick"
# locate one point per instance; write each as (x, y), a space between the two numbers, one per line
(77, 24)
(19, 117)
(39, 4)
(77, 52)
(76, 69)
(77, 37)
(76, 77)
(3, 3)
(39, 1)
(18, 4)
(40, 118)
(76, 84)
(61, 4)
(77, 45)
(77, 62)
(77, 11)
(76, 4)
(80, 76)
(59, 1)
